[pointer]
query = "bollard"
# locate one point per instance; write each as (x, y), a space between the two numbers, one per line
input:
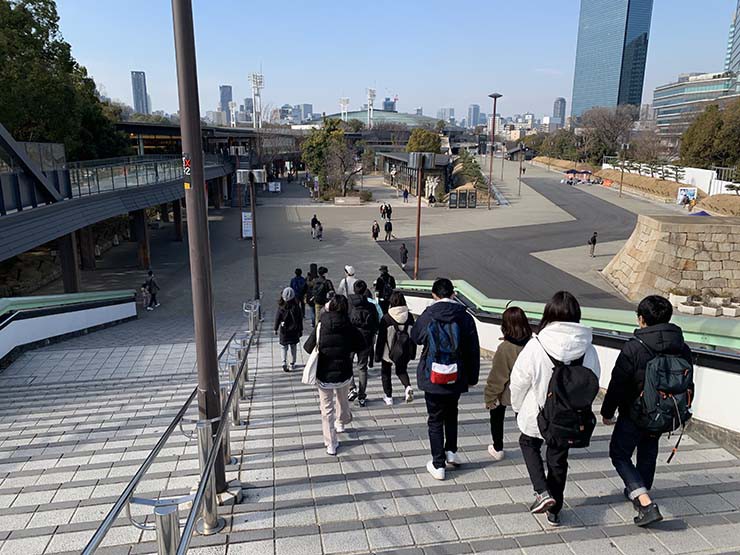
(233, 371)
(210, 522)
(167, 521)
(226, 440)
(235, 416)
(242, 355)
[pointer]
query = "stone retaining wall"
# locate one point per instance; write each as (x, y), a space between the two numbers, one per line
(695, 253)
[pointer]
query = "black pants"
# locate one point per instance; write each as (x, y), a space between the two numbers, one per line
(557, 468)
(497, 427)
(627, 438)
(152, 299)
(385, 376)
(442, 424)
(384, 304)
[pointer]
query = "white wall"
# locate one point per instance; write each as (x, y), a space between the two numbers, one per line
(22, 332)
(705, 180)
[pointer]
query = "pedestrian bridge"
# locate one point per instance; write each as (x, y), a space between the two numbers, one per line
(79, 423)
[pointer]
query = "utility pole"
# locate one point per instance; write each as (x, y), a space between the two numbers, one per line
(255, 257)
(495, 97)
(521, 157)
(420, 177)
(209, 403)
(623, 156)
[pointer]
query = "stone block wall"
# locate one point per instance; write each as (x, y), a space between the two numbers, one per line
(695, 253)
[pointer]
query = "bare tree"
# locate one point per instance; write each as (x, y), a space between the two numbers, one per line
(606, 129)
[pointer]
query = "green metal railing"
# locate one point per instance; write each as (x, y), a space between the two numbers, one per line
(14, 304)
(711, 333)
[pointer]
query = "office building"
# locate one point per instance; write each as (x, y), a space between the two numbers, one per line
(732, 57)
(389, 105)
(225, 96)
(420, 111)
(141, 97)
(611, 53)
(446, 114)
(482, 119)
(558, 109)
(473, 115)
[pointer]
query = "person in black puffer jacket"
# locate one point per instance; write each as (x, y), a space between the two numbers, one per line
(337, 341)
(289, 324)
(364, 317)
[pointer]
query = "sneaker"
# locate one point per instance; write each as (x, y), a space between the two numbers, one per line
(149, 308)
(437, 473)
(542, 502)
(332, 449)
(362, 402)
(388, 401)
(409, 394)
(285, 368)
(453, 458)
(352, 395)
(291, 366)
(497, 455)
(156, 305)
(648, 515)
(339, 427)
(553, 519)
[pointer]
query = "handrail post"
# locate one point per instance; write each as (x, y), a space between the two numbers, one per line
(235, 416)
(167, 520)
(210, 523)
(243, 355)
(226, 442)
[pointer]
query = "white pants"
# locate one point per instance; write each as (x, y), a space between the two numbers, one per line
(334, 405)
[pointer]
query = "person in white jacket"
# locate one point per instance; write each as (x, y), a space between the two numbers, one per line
(347, 285)
(562, 337)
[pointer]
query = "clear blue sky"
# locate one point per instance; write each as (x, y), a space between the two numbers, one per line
(423, 50)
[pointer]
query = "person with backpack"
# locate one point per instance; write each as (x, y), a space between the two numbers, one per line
(388, 227)
(404, 255)
(289, 326)
(152, 287)
(314, 223)
(517, 333)
(652, 387)
(313, 273)
(449, 365)
(347, 285)
(375, 230)
(384, 286)
(337, 340)
(322, 287)
(395, 347)
(592, 245)
(553, 384)
(364, 317)
(299, 286)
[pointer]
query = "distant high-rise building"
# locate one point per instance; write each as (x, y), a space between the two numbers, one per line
(732, 58)
(611, 53)
(482, 119)
(225, 96)
(558, 109)
(138, 87)
(446, 114)
(389, 104)
(306, 111)
(420, 111)
(473, 115)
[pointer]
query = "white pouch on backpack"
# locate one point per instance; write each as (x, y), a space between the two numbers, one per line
(309, 371)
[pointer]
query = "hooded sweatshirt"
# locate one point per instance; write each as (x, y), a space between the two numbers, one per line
(530, 377)
(399, 315)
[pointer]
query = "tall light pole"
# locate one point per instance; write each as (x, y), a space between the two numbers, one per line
(521, 157)
(495, 97)
(418, 161)
(209, 403)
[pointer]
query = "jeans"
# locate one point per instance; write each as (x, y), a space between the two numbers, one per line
(363, 360)
(317, 313)
(627, 438)
(385, 376)
(334, 406)
(312, 312)
(152, 299)
(442, 424)
(557, 468)
(285, 353)
(497, 427)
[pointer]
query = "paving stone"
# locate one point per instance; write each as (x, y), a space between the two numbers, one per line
(433, 532)
(679, 540)
(265, 547)
(726, 536)
(298, 545)
(476, 527)
(25, 546)
(345, 542)
(516, 523)
(639, 544)
(389, 536)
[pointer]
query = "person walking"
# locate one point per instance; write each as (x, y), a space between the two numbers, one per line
(152, 287)
(346, 286)
(313, 273)
(299, 286)
(384, 286)
(405, 195)
(289, 326)
(517, 332)
(655, 344)
(375, 230)
(314, 223)
(404, 255)
(388, 230)
(449, 365)
(395, 348)
(337, 340)
(592, 245)
(389, 211)
(364, 317)
(320, 231)
(322, 288)
(562, 342)
(382, 211)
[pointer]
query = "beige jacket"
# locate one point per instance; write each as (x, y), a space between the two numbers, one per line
(497, 385)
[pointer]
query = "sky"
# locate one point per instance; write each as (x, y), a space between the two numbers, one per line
(421, 50)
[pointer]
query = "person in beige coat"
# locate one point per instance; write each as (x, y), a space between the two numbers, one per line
(516, 330)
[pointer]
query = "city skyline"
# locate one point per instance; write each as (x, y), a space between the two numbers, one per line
(532, 80)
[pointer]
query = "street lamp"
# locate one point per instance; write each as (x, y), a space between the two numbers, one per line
(495, 97)
(521, 156)
(419, 161)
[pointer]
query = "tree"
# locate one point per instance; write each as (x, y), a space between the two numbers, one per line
(699, 140)
(423, 140)
(440, 126)
(562, 144)
(605, 130)
(534, 142)
(471, 170)
(355, 125)
(45, 95)
(647, 148)
(327, 154)
(727, 140)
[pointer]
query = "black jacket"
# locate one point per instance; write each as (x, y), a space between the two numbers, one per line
(289, 322)
(384, 285)
(339, 339)
(628, 376)
(321, 288)
(364, 317)
(468, 367)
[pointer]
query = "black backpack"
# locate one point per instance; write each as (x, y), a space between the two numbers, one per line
(403, 349)
(291, 323)
(566, 419)
(321, 291)
(362, 318)
(387, 286)
(664, 405)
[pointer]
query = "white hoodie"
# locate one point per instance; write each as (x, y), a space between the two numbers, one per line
(564, 341)
(400, 314)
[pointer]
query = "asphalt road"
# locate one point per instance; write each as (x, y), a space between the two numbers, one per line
(498, 261)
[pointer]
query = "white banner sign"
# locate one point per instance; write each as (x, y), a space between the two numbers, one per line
(246, 225)
(274, 186)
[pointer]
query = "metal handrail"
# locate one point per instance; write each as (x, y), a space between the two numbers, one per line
(128, 492)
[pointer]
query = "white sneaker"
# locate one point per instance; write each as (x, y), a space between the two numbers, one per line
(339, 427)
(332, 449)
(291, 366)
(437, 473)
(149, 308)
(156, 305)
(497, 455)
(409, 394)
(388, 401)
(453, 458)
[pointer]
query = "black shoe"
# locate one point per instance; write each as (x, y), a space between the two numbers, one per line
(352, 395)
(362, 402)
(553, 519)
(542, 502)
(285, 368)
(648, 515)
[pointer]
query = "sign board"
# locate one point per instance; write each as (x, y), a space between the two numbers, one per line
(274, 186)
(452, 203)
(246, 225)
(462, 199)
(688, 191)
(472, 199)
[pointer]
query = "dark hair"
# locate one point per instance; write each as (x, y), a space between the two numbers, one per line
(322, 270)
(312, 271)
(298, 271)
(443, 288)
(515, 325)
(397, 299)
(563, 307)
(655, 309)
(359, 287)
(338, 303)
(149, 273)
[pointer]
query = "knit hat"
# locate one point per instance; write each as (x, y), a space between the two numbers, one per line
(349, 270)
(288, 294)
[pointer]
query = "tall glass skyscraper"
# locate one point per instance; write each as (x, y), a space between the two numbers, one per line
(225, 96)
(732, 58)
(138, 88)
(558, 109)
(611, 53)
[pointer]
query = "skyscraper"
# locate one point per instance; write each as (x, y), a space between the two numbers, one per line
(473, 115)
(389, 104)
(611, 53)
(224, 93)
(558, 109)
(138, 87)
(732, 58)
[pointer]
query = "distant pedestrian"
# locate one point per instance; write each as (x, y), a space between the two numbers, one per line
(405, 195)
(346, 286)
(592, 245)
(320, 231)
(152, 287)
(382, 211)
(375, 230)
(395, 348)
(314, 223)
(431, 199)
(692, 204)
(384, 286)
(389, 212)
(524, 170)
(388, 230)
(404, 255)
(289, 326)
(299, 286)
